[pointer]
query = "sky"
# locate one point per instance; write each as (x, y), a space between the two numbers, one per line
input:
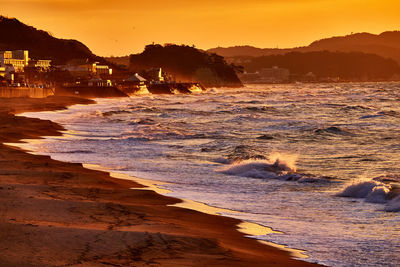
(123, 27)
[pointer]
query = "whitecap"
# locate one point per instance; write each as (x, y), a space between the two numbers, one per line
(372, 191)
(359, 190)
(378, 194)
(278, 166)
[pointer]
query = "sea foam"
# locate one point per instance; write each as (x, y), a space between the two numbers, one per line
(373, 192)
(278, 166)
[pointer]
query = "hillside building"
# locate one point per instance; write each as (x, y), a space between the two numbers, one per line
(86, 70)
(135, 80)
(156, 75)
(98, 69)
(7, 72)
(135, 84)
(40, 64)
(19, 59)
(98, 82)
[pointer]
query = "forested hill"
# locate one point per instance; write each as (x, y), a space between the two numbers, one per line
(346, 66)
(186, 64)
(15, 35)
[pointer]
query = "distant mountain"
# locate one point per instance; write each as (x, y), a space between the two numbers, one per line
(347, 66)
(15, 35)
(187, 64)
(386, 44)
(247, 51)
(121, 61)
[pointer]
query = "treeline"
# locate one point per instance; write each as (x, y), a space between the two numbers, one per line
(346, 66)
(186, 64)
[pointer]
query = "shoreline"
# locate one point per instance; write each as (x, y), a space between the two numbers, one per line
(50, 205)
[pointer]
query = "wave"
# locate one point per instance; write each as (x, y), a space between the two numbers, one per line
(265, 137)
(114, 112)
(371, 191)
(392, 178)
(145, 121)
(77, 152)
(391, 113)
(393, 205)
(242, 152)
(374, 192)
(277, 166)
(371, 116)
(222, 160)
(264, 169)
(333, 130)
(261, 109)
(357, 108)
(255, 169)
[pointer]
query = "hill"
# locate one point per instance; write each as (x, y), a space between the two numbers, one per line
(120, 61)
(347, 66)
(186, 64)
(15, 35)
(248, 51)
(386, 44)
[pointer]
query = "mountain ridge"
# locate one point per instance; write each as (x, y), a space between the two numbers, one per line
(385, 44)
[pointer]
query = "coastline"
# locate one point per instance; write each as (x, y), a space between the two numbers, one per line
(56, 213)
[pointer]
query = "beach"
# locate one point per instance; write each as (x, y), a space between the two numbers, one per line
(62, 214)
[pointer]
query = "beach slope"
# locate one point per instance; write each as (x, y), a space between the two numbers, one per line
(61, 214)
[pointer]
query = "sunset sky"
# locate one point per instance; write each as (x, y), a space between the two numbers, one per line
(122, 27)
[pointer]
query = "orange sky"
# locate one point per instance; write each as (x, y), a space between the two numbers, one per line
(121, 27)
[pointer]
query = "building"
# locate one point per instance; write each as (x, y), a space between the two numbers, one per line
(76, 70)
(43, 65)
(267, 75)
(274, 75)
(98, 82)
(3, 72)
(155, 75)
(98, 69)
(7, 72)
(135, 84)
(136, 79)
(19, 59)
(86, 70)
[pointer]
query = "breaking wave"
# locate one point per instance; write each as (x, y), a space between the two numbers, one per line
(256, 169)
(277, 166)
(374, 191)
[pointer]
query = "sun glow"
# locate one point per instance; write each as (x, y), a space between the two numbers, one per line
(124, 27)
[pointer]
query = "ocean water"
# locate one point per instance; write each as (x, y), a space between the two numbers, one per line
(319, 163)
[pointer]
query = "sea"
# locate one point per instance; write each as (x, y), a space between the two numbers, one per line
(317, 163)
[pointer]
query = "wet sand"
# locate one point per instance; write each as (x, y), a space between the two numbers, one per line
(61, 214)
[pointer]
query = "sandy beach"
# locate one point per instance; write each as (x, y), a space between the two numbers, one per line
(61, 214)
